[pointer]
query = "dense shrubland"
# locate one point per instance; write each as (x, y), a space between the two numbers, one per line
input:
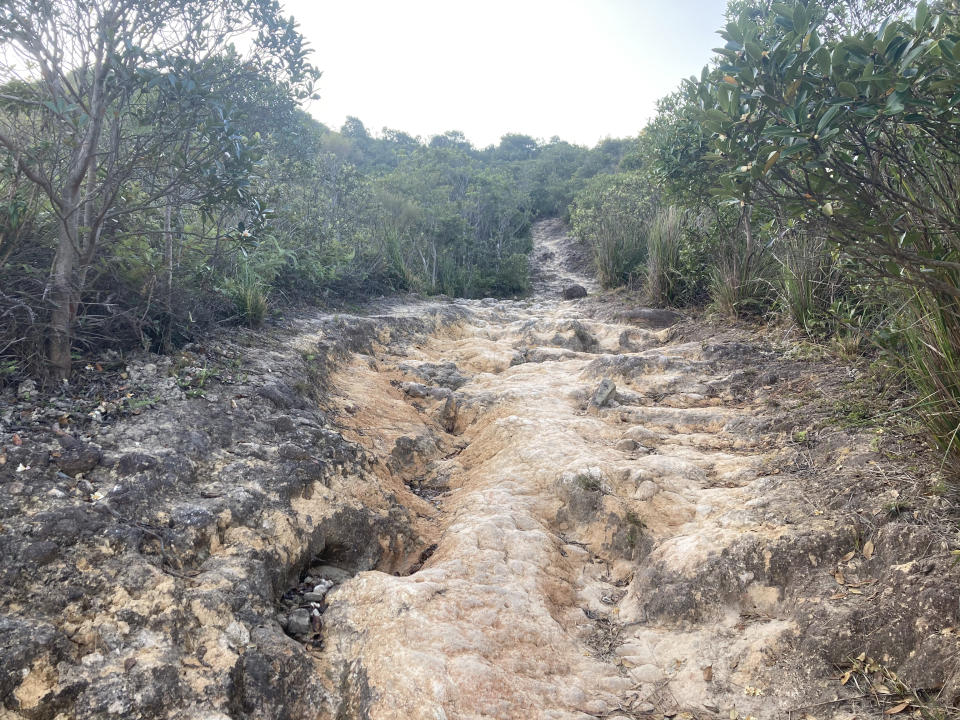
(155, 181)
(813, 172)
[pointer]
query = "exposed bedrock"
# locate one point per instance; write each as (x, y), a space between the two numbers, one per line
(537, 508)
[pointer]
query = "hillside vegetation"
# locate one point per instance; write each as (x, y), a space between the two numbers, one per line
(156, 181)
(811, 172)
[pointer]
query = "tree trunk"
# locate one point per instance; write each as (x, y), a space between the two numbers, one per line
(167, 282)
(62, 296)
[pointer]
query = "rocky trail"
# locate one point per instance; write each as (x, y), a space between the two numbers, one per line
(541, 508)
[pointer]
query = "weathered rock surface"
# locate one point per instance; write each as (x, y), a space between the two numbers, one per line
(416, 513)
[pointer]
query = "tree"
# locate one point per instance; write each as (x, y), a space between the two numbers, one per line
(83, 85)
(858, 132)
(514, 146)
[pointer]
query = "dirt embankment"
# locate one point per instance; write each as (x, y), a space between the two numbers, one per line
(476, 509)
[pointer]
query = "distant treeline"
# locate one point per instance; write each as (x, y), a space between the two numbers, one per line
(154, 182)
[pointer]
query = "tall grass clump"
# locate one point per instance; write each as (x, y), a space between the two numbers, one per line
(664, 271)
(740, 281)
(619, 251)
(933, 365)
(251, 296)
(806, 280)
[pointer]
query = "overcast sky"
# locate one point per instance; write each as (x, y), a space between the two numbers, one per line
(580, 69)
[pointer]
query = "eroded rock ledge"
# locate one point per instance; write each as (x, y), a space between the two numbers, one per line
(151, 564)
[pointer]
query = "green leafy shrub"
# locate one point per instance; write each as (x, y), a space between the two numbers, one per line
(856, 132)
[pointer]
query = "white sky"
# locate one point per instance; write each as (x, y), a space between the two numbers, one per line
(579, 69)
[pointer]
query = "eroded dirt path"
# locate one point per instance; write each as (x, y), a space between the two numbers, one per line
(474, 509)
(595, 552)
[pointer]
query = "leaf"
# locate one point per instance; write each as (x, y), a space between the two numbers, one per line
(784, 22)
(17, 440)
(729, 79)
(900, 707)
(791, 90)
(847, 88)
(868, 549)
(881, 690)
(827, 117)
(894, 104)
(845, 678)
(922, 13)
(787, 152)
(838, 576)
(848, 557)
(774, 156)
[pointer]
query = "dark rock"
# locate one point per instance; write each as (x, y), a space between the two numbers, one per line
(579, 339)
(629, 366)
(771, 377)
(136, 462)
(178, 468)
(284, 425)
(443, 374)
(735, 351)
(281, 395)
(41, 553)
(448, 414)
(67, 525)
(604, 393)
(419, 390)
(298, 624)
(574, 292)
(587, 341)
(195, 443)
(627, 538)
(79, 459)
(291, 451)
(415, 390)
(650, 318)
(277, 680)
(331, 574)
(582, 494)
(407, 450)
(21, 643)
(31, 457)
(144, 693)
